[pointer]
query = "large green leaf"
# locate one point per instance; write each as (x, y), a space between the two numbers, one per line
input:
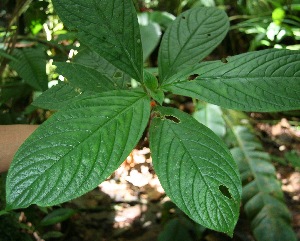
(110, 27)
(267, 80)
(91, 59)
(196, 169)
(190, 38)
(30, 64)
(85, 78)
(76, 149)
(262, 195)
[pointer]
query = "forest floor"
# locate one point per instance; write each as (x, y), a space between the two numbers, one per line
(130, 204)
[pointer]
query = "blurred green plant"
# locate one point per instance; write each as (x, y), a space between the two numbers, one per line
(31, 37)
(274, 24)
(291, 158)
(177, 226)
(262, 197)
(22, 224)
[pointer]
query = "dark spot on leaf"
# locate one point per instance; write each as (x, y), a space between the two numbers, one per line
(118, 74)
(224, 60)
(172, 118)
(104, 38)
(183, 17)
(208, 34)
(225, 191)
(193, 76)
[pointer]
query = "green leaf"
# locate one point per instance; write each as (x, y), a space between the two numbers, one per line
(3, 212)
(293, 158)
(150, 81)
(57, 216)
(31, 66)
(110, 27)
(190, 38)
(158, 96)
(90, 140)
(14, 90)
(211, 116)
(150, 35)
(52, 234)
(195, 169)
(265, 222)
(7, 56)
(91, 59)
(85, 78)
(151, 84)
(175, 230)
(267, 80)
(164, 19)
(57, 97)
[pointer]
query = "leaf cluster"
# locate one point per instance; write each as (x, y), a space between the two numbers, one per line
(100, 119)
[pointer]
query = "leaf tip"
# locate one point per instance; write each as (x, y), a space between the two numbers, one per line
(230, 233)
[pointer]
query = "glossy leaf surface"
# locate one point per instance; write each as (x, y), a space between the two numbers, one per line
(110, 26)
(91, 59)
(57, 97)
(85, 78)
(190, 38)
(91, 139)
(267, 80)
(195, 169)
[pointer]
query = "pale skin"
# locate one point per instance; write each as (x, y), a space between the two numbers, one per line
(11, 138)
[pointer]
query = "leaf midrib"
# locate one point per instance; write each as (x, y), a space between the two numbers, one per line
(56, 162)
(179, 85)
(119, 41)
(181, 49)
(186, 149)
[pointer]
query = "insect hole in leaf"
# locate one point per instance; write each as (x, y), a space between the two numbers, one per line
(172, 118)
(225, 191)
(192, 77)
